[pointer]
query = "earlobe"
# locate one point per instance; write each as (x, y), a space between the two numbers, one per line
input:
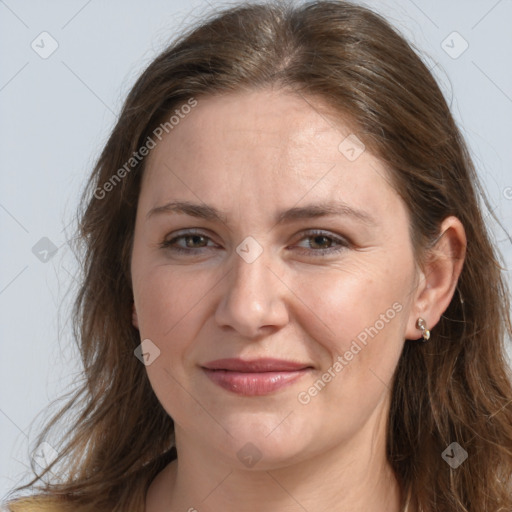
(135, 320)
(439, 278)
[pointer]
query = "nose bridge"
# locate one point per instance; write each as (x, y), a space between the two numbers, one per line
(253, 294)
(250, 268)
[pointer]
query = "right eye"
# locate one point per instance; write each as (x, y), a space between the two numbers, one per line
(191, 239)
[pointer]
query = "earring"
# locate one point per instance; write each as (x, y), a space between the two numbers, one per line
(420, 324)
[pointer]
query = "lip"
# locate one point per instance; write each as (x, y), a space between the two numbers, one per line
(254, 378)
(255, 366)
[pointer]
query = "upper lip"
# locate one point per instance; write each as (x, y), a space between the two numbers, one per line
(256, 365)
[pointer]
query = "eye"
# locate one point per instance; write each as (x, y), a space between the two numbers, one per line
(320, 243)
(324, 243)
(193, 240)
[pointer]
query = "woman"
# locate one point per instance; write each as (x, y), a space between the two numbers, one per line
(289, 283)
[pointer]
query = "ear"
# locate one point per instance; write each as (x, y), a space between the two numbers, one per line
(135, 320)
(438, 279)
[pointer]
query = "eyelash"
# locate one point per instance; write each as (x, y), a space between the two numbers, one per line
(343, 244)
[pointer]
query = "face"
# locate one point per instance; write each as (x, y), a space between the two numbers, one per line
(308, 261)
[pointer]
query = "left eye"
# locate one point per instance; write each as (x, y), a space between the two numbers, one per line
(320, 238)
(327, 242)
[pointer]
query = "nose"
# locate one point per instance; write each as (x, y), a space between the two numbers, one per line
(254, 298)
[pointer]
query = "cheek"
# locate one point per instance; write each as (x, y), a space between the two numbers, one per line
(358, 318)
(168, 301)
(359, 338)
(357, 300)
(165, 299)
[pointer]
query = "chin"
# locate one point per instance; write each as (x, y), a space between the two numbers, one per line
(262, 444)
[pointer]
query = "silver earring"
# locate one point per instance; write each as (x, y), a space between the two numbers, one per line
(420, 324)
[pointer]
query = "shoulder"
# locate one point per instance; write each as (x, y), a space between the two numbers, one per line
(33, 504)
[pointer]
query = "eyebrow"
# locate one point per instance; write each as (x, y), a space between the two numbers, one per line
(211, 213)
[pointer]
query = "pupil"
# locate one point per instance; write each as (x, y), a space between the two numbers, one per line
(195, 238)
(320, 237)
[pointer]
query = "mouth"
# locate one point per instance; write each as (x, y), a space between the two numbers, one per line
(254, 378)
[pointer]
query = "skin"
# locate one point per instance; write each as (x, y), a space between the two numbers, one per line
(250, 155)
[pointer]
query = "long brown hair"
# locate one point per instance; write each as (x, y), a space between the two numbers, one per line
(456, 388)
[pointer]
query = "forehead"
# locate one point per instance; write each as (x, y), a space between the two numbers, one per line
(284, 123)
(275, 145)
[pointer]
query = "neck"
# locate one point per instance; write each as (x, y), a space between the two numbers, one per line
(351, 477)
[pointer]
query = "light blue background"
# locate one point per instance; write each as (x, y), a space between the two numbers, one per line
(56, 113)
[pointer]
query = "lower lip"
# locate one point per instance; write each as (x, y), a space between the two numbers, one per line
(254, 384)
